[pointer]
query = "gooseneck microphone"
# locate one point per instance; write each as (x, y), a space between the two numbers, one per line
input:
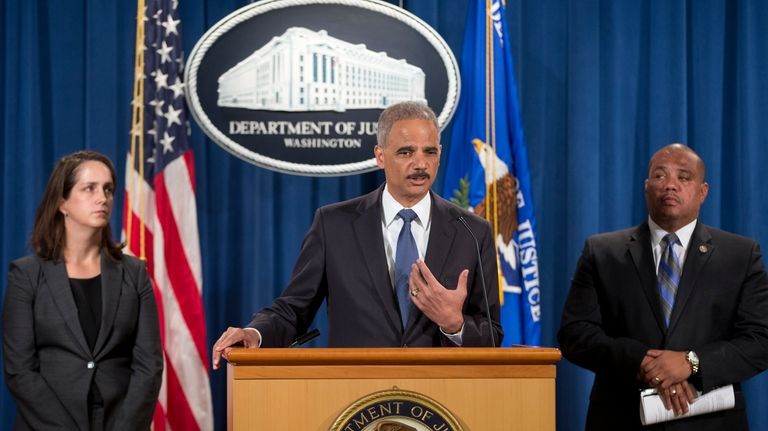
(482, 275)
(306, 338)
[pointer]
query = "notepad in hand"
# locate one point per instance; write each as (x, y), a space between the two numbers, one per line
(652, 409)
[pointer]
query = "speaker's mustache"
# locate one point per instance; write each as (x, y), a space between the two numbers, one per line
(418, 175)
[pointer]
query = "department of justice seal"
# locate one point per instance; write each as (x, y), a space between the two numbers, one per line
(396, 410)
(297, 86)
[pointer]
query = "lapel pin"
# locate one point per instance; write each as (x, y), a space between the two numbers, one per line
(703, 248)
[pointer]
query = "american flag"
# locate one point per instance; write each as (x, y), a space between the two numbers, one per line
(160, 215)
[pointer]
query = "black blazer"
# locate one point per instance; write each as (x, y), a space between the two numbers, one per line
(342, 259)
(613, 316)
(48, 364)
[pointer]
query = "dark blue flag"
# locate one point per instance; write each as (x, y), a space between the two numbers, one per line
(487, 167)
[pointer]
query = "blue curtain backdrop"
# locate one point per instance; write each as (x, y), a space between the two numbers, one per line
(603, 84)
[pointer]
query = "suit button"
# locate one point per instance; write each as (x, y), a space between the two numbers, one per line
(91, 365)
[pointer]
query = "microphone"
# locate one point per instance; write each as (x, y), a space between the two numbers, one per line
(303, 339)
(460, 216)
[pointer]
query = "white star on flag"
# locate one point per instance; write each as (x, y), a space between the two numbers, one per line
(172, 115)
(158, 104)
(165, 53)
(177, 87)
(161, 79)
(167, 143)
(170, 25)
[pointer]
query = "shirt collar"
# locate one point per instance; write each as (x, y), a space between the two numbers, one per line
(683, 234)
(391, 207)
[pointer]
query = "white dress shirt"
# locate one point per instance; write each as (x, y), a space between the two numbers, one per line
(391, 225)
(681, 249)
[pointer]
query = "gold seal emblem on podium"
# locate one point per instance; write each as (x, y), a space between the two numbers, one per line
(396, 410)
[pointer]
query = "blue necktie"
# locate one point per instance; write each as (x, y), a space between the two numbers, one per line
(668, 275)
(405, 255)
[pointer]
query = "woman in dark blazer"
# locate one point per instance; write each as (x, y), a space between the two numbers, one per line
(80, 326)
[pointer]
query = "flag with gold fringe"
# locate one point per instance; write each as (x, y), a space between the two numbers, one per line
(160, 215)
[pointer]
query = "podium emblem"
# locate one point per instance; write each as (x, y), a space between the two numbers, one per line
(396, 410)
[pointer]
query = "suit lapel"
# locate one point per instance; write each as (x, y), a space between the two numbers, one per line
(111, 287)
(642, 256)
(441, 235)
(57, 281)
(368, 233)
(700, 248)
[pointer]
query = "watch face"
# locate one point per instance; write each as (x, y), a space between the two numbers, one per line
(693, 359)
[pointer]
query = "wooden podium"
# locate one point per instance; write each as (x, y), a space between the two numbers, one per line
(486, 389)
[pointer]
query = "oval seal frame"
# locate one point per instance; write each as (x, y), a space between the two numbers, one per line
(396, 409)
(271, 126)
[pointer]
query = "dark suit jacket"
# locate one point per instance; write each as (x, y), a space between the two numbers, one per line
(613, 316)
(342, 259)
(47, 359)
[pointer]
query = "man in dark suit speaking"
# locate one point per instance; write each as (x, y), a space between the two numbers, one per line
(670, 304)
(396, 266)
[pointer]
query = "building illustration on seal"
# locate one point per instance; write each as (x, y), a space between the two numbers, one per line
(305, 70)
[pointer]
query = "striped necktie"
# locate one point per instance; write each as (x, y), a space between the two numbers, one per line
(668, 274)
(405, 255)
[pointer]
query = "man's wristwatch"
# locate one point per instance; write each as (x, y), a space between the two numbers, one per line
(693, 361)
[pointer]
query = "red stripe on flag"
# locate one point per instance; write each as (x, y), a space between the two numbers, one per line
(179, 273)
(178, 412)
(189, 160)
(158, 419)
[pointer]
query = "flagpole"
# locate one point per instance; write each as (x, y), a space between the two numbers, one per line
(137, 132)
(491, 191)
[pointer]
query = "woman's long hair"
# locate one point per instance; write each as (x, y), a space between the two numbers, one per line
(48, 234)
